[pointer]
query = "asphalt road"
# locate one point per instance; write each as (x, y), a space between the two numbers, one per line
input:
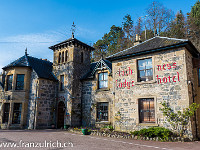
(58, 140)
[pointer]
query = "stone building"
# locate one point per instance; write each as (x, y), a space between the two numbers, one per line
(124, 90)
(27, 94)
(159, 69)
(71, 62)
(97, 96)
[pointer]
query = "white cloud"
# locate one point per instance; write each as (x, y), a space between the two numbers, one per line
(13, 47)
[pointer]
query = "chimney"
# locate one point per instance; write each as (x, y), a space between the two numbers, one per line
(137, 40)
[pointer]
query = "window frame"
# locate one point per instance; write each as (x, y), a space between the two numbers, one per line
(141, 117)
(6, 113)
(102, 80)
(198, 74)
(98, 116)
(138, 71)
(7, 83)
(59, 57)
(66, 55)
(62, 85)
(62, 56)
(16, 87)
(82, 57)
(17, 111)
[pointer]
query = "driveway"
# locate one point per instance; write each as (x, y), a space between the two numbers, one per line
(59, 139)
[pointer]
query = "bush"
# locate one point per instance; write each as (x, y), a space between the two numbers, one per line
(152, 132)
(109, 127)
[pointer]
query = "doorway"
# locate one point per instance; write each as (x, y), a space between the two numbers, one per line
(61, 114)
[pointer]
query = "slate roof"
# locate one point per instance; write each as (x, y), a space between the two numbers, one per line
(95, 65)
(152, 45)
(70, 41)
(43, 68)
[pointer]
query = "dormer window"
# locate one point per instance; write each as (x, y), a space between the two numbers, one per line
(9, 82)
(103, 80)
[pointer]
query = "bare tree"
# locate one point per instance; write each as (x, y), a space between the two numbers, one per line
(138, 27)
(159, 17)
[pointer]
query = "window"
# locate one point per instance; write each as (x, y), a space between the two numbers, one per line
(66, 55)
(63, 56)
(59, 58)
(103, 80)
(0, 108)
(17, 113)
(9, 82)
(20, 82)
(6, 112)
(146, 110)
(145, 70)
(198, 76)
(62, 83)
(82, 57)
(102, 111)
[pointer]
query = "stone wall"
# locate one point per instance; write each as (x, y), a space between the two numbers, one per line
(91, 95)
(46, 103)
(2, 97)
(32, 100)
(128, 90)
(72, 69)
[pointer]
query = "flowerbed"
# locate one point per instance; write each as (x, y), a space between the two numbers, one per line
(125, 135)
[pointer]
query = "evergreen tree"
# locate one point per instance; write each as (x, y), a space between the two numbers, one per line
(128, 29)
(109, 44)
(177, 27)
(194, 25)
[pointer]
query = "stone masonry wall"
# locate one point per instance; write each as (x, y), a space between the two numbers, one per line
(80, 69)
(32, 100)
(46, 103)
(127, 90)
(91, 95)
(72, 69)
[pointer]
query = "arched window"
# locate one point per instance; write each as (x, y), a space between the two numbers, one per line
(59, 57)
(63, 56)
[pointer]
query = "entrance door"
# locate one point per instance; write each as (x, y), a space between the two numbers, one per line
(61, 113)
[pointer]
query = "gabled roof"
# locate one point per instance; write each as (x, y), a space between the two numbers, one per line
(101, 64)
(43, 68)
(153, 45)
(69, 42)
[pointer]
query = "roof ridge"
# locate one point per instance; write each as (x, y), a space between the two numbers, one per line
(131, 47)
(40, 59)
(26, 57)
(173, 38)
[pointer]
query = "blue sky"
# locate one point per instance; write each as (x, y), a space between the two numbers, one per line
(38, 24)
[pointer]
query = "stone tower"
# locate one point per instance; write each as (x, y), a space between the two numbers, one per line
(71, 62)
